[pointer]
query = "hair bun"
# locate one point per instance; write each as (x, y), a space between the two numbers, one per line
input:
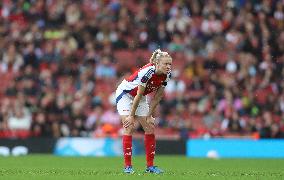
(158, 51)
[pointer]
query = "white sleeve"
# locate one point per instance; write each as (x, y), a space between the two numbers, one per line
(145, 74)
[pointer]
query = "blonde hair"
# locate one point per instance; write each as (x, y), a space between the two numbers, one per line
(158, 54)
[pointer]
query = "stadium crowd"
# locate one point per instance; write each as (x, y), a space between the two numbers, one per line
(61, 60)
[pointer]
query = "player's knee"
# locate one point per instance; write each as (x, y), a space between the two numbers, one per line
(129, 130)
(149, 129)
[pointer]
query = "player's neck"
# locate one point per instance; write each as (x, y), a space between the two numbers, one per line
(158, 72)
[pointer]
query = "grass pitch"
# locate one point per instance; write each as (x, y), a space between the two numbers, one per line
(176, 167)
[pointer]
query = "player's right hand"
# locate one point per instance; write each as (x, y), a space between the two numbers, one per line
(128, 121)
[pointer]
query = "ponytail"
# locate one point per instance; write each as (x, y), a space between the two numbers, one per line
(154, 56)
(157, 54)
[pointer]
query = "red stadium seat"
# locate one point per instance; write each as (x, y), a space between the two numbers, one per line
(125, 60)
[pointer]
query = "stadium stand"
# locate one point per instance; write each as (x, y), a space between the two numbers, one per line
(60, 62)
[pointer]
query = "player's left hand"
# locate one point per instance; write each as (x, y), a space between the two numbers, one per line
(150, 120)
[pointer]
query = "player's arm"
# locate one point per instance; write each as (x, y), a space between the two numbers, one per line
(130, 119)
(157, 98)
(137, 99)
(144, 76)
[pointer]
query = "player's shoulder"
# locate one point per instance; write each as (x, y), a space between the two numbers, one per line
(149, 66)
(148, 69)
(146, 72)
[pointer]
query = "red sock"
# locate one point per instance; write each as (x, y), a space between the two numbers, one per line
(127, 149)
(150, 147)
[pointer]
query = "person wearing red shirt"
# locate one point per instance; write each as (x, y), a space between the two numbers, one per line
(132, 105)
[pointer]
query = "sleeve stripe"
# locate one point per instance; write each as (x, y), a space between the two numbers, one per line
(149, 73)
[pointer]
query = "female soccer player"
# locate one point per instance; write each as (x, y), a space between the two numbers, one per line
(132, 105)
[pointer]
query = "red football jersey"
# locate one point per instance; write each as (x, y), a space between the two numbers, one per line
(146, 77)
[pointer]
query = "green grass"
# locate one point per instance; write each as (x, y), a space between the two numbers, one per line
(176, 167)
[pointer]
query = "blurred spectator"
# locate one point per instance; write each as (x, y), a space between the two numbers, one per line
(60, 61)
(94, 118)
(12, 59)
(233, 124)
(105, 69)
(20, 118)
(179, 20)
(175, 86)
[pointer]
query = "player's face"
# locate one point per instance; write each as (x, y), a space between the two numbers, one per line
(164, 65)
